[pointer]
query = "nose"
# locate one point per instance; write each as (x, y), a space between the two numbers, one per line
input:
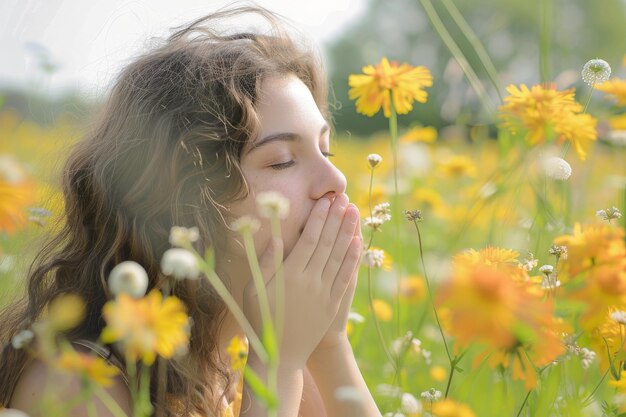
(328, 181)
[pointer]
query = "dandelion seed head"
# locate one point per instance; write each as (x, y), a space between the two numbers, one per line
(180, 264)
(557, 168)
(129, 278)
(374, 159)
(183, 236)
(246, 224)
(272, 204)
(596, 71)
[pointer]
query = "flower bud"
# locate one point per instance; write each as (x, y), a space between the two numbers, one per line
(596, 71)
(374, 159)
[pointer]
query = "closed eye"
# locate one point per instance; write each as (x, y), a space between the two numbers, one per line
(282, 165)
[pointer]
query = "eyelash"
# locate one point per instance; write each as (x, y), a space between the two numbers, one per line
(289, 164)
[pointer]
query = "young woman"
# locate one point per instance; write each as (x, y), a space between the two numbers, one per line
(191, 132)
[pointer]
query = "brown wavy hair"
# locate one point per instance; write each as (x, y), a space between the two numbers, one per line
(164, 150)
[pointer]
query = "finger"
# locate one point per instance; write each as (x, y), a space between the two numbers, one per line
(329, 234)
(346, 273)
(346, 233)
(305, 246)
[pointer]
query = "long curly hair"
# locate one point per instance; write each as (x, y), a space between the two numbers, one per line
(163, 150)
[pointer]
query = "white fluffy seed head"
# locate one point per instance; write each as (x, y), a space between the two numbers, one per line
(183, 236)
(272, 204)
(557, 168)
(596, 71)
(180, 264)
(129, 278)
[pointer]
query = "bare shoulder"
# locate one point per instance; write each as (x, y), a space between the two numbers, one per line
(42, 389)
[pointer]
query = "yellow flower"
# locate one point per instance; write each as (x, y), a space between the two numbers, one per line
(616, 88)
(88, 367)
(620, 384)
(412, 289)
(546, 114)
(618, 122)
(458, 166)
(426, 134)
(389, 81)
(238, 352)
(65, 312)
(438, 373)
(451, 408)
(382, 310)
(147, 326)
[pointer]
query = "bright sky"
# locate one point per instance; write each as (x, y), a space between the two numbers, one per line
(90, 40)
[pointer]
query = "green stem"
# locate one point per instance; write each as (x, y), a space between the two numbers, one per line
(544, 42)
(280, 281)
(471, 37)
(232, 305)
(393, 132)
(519, 413)
(259, 284)
(458, 55)
(612, 361)
(381, 339)
(430, 293)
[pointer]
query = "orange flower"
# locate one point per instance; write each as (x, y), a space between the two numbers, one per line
(451, 408)
(147, 326)
(412, 289)
(389, 81)
(382, 310)
(16, 194)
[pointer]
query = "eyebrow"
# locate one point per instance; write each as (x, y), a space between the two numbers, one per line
(283, 137)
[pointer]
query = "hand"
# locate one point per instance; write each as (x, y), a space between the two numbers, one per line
(317, 274)
(336, 333)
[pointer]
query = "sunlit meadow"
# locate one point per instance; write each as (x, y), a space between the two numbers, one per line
(494, 273)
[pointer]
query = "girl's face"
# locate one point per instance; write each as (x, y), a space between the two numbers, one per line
(290, 156)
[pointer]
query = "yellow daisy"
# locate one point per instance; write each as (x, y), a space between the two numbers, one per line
(147, 326)
(615, 87)
(88, 367)
(387, 81)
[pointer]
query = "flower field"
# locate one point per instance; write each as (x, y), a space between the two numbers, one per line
(494, 274)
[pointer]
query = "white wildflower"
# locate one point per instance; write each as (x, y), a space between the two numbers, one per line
(374, 258)
(374, 159)
(596, 71)
(619, 316)
(245, 224)
(586, 357)
(431, 395)
(382, 211)
(373, 222)
(427, 356)
(529, 263)
(609, 214)
(22, 338)
(182, 236)
(546, 269)
(410, 404)
(559, 251)
(557, 168)
(180, 264)
(129, 278)
(272, 204)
